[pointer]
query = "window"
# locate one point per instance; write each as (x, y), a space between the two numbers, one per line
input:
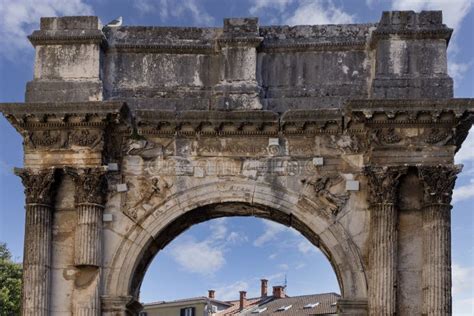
(259, 310)
(311, 305)
(188, 311)
(284, 308)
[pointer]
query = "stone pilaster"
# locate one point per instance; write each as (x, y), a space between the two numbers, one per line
(383, 187)
(436, 273)
(90, 198)
(39, 191)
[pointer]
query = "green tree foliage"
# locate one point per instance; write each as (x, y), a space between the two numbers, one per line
(10, 283)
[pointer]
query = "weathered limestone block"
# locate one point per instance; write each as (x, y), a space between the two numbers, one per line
(436, 276)
(383, 190)
(238, 87)
(411, 57)
(39, 191)
(67, 61)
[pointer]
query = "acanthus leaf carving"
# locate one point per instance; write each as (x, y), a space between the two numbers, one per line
(91, 185)
(438, 182)
(383, 183)
(39, 185)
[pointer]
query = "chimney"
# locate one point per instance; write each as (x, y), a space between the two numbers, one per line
(279, 291)
(263, 287)
(243, 300)
(212, 293)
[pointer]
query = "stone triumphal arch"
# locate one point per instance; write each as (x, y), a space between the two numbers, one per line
(345, 132)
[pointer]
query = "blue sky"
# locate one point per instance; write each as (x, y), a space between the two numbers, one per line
(243, 249)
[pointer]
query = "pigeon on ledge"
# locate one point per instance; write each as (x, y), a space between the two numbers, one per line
(114, 23)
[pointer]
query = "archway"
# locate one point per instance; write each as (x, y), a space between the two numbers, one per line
(232, 254)
(232, 198)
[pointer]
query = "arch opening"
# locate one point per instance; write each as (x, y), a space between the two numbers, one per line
(236, 252)
(219, 210)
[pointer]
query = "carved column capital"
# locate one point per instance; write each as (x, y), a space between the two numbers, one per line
(91, 185)
(383, 183)
(438, 182)
(39, 185)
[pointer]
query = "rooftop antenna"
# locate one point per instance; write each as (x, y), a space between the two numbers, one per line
(286, 283)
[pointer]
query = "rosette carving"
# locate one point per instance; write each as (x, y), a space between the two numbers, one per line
(383, 183)
(39, 185)
(438, 182)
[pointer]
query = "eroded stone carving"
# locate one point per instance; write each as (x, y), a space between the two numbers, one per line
(322, 188)
(91, 185)
(438, 182)
(148, 189)
(86, 138)
(383, 183)
(38, 185)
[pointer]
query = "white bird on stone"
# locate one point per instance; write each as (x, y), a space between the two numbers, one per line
(115, 23)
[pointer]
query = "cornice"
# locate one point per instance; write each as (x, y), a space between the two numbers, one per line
(312, 46)
(424, 111)
(29, 116)
(164, 48)
(67, 37)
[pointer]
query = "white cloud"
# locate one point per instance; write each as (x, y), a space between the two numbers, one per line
(463, 192)
(272, 256)
(463, 279)
(231, 291)
(20, 17)
(283, 266)
(271, 231)
(463, 290)
(198, 257)
(301, 12)
(236, 238)
(259, 5)
(463, 307)
(175, 9)
(466, 153)
(300, 266)
(208, 255)
(318, 12)
(457, 70)
(305, 247)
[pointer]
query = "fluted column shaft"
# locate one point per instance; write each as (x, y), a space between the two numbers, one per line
(383, 258)
(88, 236)
(37, 250)
(436, 273)
(90, 198)
(90, 190)
(383, 187)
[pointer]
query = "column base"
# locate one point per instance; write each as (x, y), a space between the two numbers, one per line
(354, 307)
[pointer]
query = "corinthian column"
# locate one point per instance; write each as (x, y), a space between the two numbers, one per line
(37, 251)
(90, 197)
(383, 188)
(436, 274)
